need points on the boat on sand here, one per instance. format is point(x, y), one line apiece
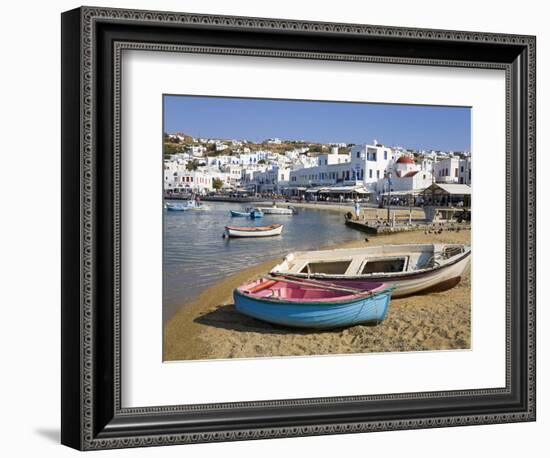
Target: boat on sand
point(410, 268)
point(258, 231)
point(310, 304)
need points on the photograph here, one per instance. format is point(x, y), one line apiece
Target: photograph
point(311, 227)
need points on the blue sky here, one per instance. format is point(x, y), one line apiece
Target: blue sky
point(413, 126)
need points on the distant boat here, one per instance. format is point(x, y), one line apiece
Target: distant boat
point(185, 206)
point(256, 213)
point(305, 304)
point(249, 212)
point(411, 269)
point(276, 210)
point(258, 231)
point(241, 214)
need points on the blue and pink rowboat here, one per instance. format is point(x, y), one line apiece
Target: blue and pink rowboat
point(310, 304)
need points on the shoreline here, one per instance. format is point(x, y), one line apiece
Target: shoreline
point(208, 327)
point(371, 212)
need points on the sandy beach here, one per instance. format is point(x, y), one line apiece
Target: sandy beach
point(209, 327)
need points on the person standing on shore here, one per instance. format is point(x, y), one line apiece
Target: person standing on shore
point(357, 209)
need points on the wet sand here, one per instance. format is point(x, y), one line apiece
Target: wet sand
point(210, 327)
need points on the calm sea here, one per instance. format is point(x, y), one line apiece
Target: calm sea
point(196, 256)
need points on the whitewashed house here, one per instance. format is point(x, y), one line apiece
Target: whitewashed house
point(465, 171)
point(447, 170)
point(370, 163)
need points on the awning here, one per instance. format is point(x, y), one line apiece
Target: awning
point(346, 189)
point(413, 192)
point(453, 189)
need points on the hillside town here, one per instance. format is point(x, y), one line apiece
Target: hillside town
point(305, 170)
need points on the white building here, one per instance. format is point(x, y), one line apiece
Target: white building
point(235, 173)
point(196, 150)
point(426, 163)
point(446, 170)
point(370, 163)
point(465, 171)
point(218, 161)
point(220, 146)
point(196, 181)
point(272, 179)
point(406, 176)
point(325, 169)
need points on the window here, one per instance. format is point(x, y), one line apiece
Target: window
point(456, 172)
point(461, 169)
point(358, 155)
point(378, 174)
point(370, 173)
point(385, 155)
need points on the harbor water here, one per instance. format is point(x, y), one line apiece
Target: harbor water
point(196, 256)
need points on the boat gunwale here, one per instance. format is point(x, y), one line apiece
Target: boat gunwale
point(381, 275)
point(387, 289)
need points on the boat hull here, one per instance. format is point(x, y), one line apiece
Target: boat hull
point(315, 315)
point(182, 207)
point(256, 214)
point(239, 214)
point(408, 283)
point(276, 211)
point(178, 208)
point(239, 233)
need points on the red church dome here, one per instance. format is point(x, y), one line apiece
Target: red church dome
point(405, 160)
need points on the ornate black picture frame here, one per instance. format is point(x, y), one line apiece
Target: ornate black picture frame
point(92, 42)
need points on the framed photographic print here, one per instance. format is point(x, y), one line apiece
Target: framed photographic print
point(277, 228)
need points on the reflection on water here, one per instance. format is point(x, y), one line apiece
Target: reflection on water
point(196, 256)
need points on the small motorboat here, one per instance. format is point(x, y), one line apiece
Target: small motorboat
point(301, 303)
point(258, 231)
point(276, 210)
point(410, 268)
point(249, 213)
point(244, 214)
point(256, 213)
point(177, 207)
point(184, 206)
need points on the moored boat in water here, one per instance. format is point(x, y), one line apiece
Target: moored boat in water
point(256, 213)
point(249, 213)
point(309, 304)
point(184, 206)
point(276, 210)
point(410, 268)
point(236, 213)
point(258, 231)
